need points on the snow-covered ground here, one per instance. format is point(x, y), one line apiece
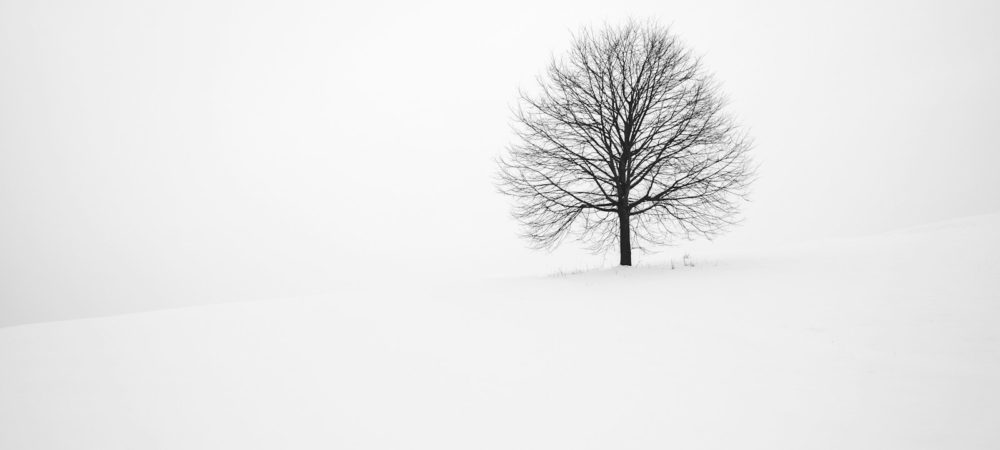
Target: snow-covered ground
point(885, 342)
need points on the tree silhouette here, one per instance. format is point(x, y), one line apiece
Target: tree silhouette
point(626, 141)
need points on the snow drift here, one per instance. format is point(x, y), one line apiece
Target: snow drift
point(889, 341)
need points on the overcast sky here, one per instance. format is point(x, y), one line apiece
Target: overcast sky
point(164, 153)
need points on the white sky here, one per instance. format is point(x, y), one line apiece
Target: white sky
point(163, 153)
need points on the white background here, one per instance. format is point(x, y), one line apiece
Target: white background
point(164, 153)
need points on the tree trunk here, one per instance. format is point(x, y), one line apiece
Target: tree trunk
point(624, 239)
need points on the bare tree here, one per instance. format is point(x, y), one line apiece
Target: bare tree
point(625, 142)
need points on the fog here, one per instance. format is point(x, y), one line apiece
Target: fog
point(157, 154)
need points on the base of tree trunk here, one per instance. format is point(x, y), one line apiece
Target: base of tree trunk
point(624, 240)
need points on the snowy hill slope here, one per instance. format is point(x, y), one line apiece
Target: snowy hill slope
point(884, 342)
